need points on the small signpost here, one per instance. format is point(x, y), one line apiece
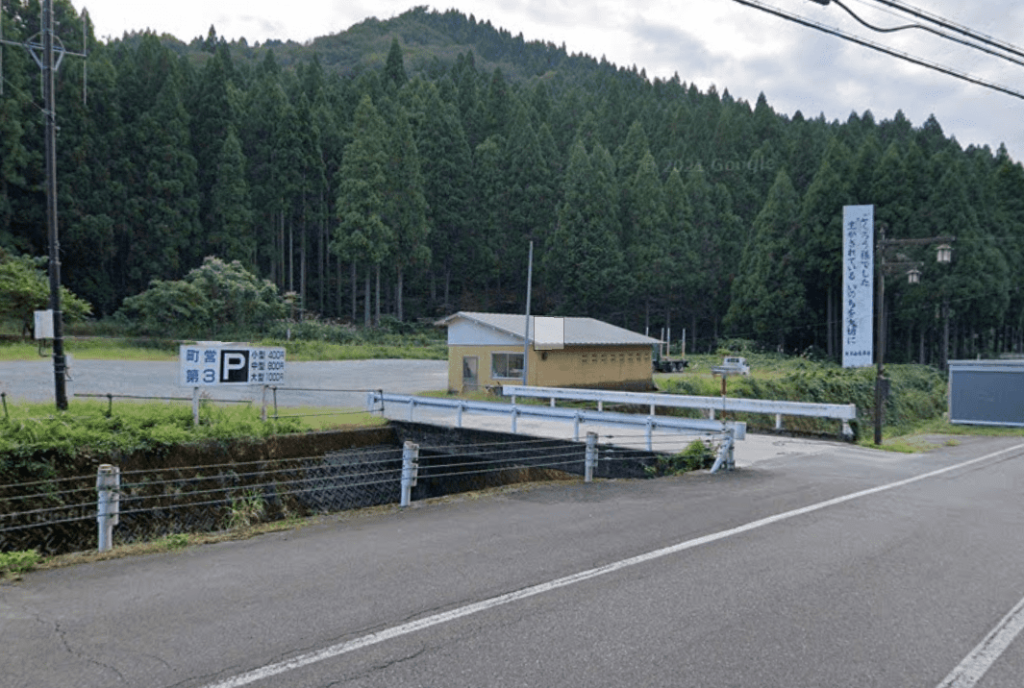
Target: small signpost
point(214, 364)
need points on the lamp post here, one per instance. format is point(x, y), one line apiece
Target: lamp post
point(944, 254)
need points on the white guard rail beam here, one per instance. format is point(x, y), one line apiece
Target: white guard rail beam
point(726, 432)
point(841, 412)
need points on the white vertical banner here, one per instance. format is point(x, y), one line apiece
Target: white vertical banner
point(858, 285)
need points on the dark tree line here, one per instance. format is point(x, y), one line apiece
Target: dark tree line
point(403, 167)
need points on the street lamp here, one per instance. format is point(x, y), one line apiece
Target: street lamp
point(944, 254)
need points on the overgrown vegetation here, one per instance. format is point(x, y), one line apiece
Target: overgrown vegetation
point(38, 444)
point(14, 564)
point(246, 510)
point(917, 395)
point(698, 455)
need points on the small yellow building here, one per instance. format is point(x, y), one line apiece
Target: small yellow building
point(486, 350)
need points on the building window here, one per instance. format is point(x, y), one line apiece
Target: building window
point(506, 366)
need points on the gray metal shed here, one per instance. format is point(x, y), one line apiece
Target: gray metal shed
point(986, 393)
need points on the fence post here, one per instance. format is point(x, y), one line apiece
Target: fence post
point(195, 406)
point(108, 502)
point(410, 471)
point(725, 451)
point(3, 396)
point(263, 412)
point(591, 457)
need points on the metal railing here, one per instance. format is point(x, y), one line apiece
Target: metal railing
point(841, 412)
point(725, 432)
point(163, 497)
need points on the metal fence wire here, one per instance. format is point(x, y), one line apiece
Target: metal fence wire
point(56, 517)
point(60, 515)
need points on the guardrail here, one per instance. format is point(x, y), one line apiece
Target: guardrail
point(726, 432)
point(841, 412)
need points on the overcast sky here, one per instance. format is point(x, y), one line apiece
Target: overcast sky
point(706, 41)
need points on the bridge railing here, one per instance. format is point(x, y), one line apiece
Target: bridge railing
point(725, 432)
point(710, 405)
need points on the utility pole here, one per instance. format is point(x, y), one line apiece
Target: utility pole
point(526, 336)
point(43, 54)
point(50, 114)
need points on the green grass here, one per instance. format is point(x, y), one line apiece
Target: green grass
point(301, 350)
point(115, 349)
point(318, 418)
point(89, 349)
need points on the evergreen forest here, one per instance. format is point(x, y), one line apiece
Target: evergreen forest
point(401, 169)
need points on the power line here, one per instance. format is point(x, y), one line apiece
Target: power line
point(953, 26)
point(922, 27)
point(949, 71)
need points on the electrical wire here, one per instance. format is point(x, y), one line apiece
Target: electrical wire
point(941, 34)
point(953, 26)
point(949, 71)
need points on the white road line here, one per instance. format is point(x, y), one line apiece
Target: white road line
point(444, 617)
point(981, 659)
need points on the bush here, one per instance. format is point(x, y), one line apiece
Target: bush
point(697, 456)
point(25, 288)
point(215, 297)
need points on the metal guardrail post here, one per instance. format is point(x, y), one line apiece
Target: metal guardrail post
point(458, 417)
point(576, 427)
point(410, 471)
point(591, 457)
point(725, 453)
point(650, 429)
point(108, 502)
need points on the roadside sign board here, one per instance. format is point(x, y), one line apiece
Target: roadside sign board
point(215, 363)
point(858, 285)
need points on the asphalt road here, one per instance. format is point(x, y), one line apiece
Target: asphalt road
point(837, 568)
point(337, 384)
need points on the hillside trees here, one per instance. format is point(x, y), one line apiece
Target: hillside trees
point(584, 265)
point(426, 151)
point(768, 296)
point(362, 237)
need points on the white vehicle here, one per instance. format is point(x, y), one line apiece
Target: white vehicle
point(732, 365)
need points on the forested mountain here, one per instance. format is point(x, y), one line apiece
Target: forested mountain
point(402, 167)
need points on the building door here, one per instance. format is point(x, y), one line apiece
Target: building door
point(470, 379)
